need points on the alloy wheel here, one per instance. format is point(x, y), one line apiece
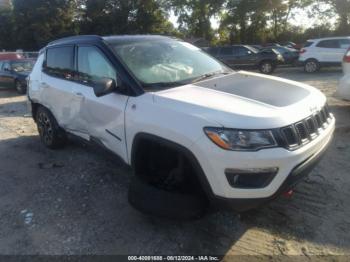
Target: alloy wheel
point(311, 67)
point(45, 128)
point(266, 68)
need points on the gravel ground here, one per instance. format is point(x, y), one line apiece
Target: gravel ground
point(74, 201)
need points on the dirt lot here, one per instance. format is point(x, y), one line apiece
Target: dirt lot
point(74, 201)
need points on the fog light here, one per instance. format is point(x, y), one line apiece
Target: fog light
point(250, 178)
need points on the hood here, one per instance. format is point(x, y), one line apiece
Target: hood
point(245, 100)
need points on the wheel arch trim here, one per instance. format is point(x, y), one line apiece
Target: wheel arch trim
point(200, 175)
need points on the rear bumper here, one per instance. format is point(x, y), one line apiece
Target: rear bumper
point(296, 175)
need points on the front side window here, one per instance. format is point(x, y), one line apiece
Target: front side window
point(242, 51)
point(1, 63)
point(22, 66)
point(165, 63)
point(59, 62)
point(93, 65)
point(226, 51)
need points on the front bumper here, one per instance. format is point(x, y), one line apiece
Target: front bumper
point(215, 161)
point(296, 175)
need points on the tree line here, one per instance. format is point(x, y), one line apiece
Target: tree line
point(31, 24)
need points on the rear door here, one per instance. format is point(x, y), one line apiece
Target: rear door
point(56, 86)
point(330, 51)
point(104, 116)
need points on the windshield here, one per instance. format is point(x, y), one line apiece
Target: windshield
point(22, 66)
point(167, 62)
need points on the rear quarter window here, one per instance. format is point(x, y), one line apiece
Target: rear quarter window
point(308, 44)
point(59, 62)
point(344, 43)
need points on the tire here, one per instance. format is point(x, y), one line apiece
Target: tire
point(50, 133)
point(153, 201)
point(266, 67)
point(20, 89)
point(311, 66)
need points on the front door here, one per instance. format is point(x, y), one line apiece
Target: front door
point(104, 116)
point(245, 56)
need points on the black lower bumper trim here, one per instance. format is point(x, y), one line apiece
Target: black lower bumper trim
point(296, 175)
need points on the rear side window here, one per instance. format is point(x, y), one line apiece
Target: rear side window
point(308, 44)
point(329, 44)
point(59, 62)
point(1, 65)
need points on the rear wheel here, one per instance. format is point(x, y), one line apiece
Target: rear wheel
point(267, 67)
point(19, 87)
point(49, 131)
point(311, 66)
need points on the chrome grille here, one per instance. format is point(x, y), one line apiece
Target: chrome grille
point(300, 133)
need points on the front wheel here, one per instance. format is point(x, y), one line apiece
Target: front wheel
point(50, 133)
point(20, 88)
point(266, 67)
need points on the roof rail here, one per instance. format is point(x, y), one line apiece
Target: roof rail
point(75, 38)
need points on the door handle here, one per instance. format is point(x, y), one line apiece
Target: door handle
point(44, 85)
point(78, 94)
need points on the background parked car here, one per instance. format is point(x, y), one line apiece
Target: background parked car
point(244, 56)
point(290, 56)
point(13, 74)
point(344, 83)
point(292, 45)
point(321, 52)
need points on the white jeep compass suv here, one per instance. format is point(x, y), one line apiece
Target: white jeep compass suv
point(194, 131)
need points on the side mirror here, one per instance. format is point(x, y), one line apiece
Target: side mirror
point(104, 86)
point(7, 69)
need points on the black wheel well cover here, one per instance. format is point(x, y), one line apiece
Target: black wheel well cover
point(200, 175)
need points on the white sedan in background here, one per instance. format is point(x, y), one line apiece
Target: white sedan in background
point(344, 83)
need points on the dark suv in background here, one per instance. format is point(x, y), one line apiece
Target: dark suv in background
point(247, 57)
point(13, 74)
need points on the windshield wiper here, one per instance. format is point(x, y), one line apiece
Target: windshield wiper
point(166, 85)
point(209, 75)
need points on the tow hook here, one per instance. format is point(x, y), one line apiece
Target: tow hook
point(288, 194)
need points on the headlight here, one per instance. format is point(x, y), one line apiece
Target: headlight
point(241, 140)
